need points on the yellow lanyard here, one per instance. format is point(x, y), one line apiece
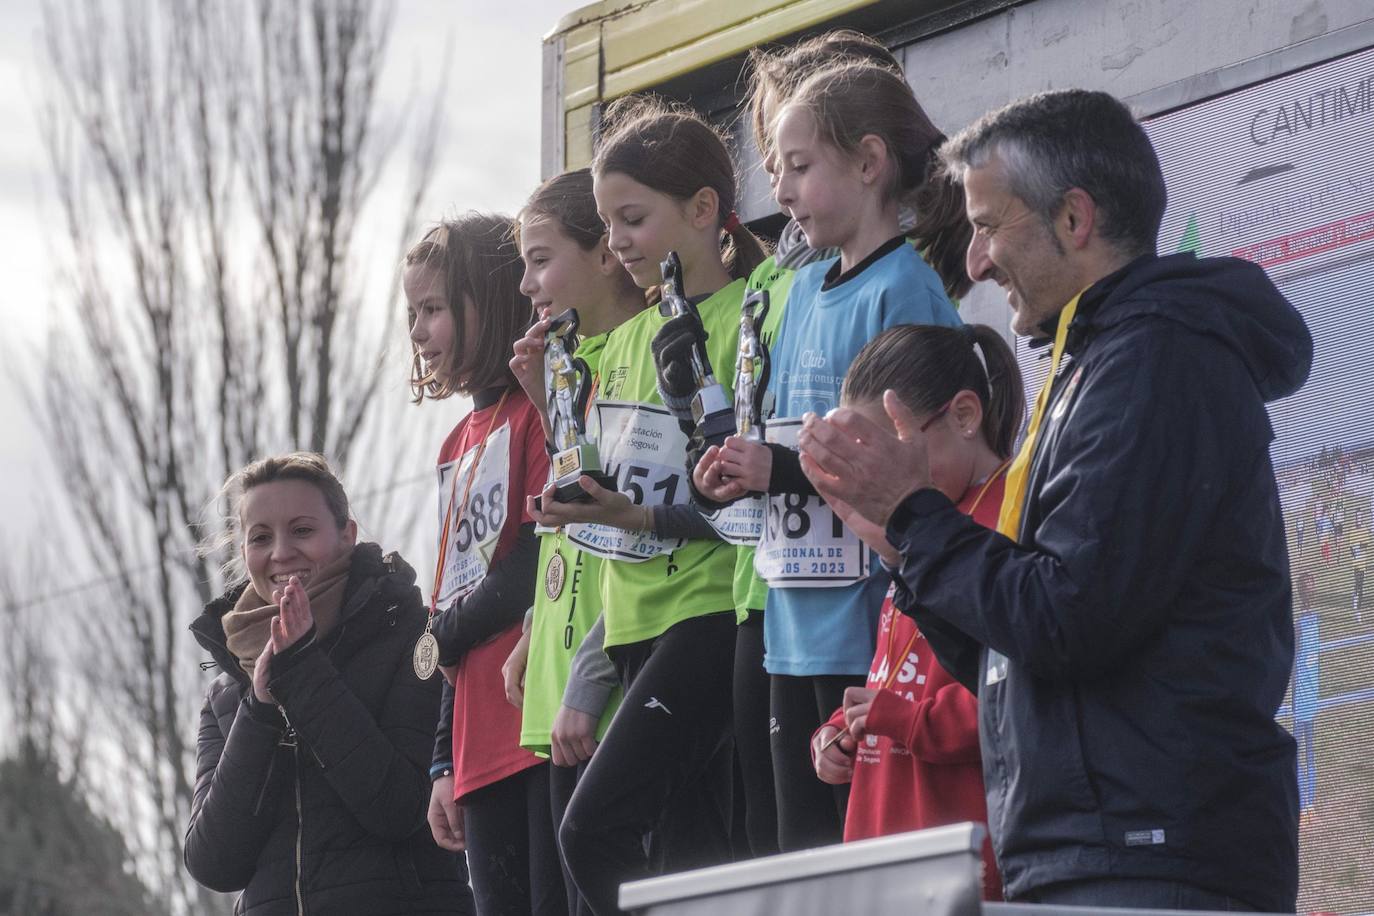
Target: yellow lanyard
point(1018, 476)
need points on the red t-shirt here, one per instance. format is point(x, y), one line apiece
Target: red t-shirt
point(514, 463)
point(919, 766)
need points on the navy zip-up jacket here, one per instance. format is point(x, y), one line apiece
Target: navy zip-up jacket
point(1130, 652)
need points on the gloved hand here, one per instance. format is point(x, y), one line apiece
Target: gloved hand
point(672, 348)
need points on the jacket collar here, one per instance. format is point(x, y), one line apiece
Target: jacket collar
point(1092, 300)
point(369, 574)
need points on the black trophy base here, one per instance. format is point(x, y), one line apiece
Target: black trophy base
point(572, 492)
point(716, 427)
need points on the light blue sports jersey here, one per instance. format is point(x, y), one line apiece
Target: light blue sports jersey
point(809, 630)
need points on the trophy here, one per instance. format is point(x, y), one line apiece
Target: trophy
point(569, 388)
point(711, 408)
point(751, 367)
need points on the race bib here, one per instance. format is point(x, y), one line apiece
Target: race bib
point(740, 522)
point(472, 540)
point(643, 448)
point(804, 544)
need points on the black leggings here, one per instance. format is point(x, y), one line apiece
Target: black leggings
point(656, 795)
point(562, 782)
point(810, 813)
point(751, 740)
point(512, 856)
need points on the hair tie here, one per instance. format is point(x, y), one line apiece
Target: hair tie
point(732, 221)
point(971, 335)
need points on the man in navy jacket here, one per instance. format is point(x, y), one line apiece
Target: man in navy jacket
point(1131, 645)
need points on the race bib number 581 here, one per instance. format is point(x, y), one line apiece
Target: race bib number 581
point(644, 449)
point(804, 544)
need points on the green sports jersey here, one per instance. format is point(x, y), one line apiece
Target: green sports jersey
point(750, 591)
point(565, 608)
point(643, 599)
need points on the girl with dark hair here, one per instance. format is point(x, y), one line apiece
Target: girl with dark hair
point(663, 182)
point(850, 146)
point(490, 795)
point(314, 740)
point(559, 675)
point(907, 741)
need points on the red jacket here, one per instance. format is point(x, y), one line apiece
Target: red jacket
point(919, 766)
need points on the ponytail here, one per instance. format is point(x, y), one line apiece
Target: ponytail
point(743, 250)
point(1005, 405)
point(942, 231)
point(927, 365)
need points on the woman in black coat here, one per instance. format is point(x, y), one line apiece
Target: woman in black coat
point(312, 761)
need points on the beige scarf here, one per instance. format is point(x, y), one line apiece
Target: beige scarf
point(248, 626)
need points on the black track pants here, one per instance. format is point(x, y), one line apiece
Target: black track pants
point(810, 813)
point(752, 745)
point(656, 796)
point(512, 854)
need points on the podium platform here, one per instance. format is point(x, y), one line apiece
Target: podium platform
point(932, 872)
point(927, 872)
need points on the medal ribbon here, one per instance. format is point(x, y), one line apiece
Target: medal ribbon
point(891, 627)
point(1018, 476)
point(449, 523)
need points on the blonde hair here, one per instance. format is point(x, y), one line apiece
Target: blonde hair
point(779, 73)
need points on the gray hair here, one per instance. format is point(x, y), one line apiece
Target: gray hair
point(1051, 142)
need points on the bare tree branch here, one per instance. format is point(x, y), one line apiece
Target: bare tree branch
point(211, 164)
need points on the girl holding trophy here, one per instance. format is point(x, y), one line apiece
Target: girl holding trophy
point(558, 673)
point(663, 182)
point(849, 147)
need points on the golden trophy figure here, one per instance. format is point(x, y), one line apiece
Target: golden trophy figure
point(569, 389)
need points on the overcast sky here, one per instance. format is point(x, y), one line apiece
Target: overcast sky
point(489, 161)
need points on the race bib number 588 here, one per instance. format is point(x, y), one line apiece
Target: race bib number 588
point(804, 544)
point(472, 540)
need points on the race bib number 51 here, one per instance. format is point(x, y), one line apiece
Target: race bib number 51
point(644, 449)
point(804, 544)
point(472, 542)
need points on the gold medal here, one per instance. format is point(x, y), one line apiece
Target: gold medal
point(426, 656)
point(555, 574)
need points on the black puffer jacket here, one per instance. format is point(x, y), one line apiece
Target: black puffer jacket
point(1130, 655)
point(325, 816)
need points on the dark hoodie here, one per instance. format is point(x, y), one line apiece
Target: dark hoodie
point(1131, 651)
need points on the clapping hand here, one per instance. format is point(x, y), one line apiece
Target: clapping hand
point(853, 461)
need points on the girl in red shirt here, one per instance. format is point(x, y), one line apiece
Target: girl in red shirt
point(907, 741)
point(490, 796)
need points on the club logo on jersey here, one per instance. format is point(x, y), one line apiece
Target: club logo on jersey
point(614, 381)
